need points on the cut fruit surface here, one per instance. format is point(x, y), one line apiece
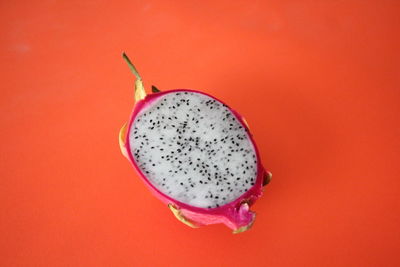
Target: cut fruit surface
point(192, 148)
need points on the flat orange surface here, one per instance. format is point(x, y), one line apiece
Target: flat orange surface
point(318, 82)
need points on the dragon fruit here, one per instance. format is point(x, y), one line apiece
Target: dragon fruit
point(195, 154)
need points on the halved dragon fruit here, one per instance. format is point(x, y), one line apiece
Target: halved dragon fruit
point(195, 154)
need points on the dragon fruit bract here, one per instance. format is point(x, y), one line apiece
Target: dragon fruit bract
point(195, 154)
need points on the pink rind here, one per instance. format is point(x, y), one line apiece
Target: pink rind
point(236, 214)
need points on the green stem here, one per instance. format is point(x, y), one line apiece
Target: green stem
point(154, 89)
point(131, 66)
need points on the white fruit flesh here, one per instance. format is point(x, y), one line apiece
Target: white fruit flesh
point(192, 148)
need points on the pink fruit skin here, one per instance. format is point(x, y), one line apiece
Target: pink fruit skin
point(235, 214)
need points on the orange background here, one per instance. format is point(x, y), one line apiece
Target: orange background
point(318, 82)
